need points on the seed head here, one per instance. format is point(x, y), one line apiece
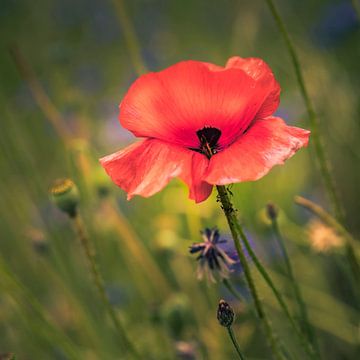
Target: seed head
point(65, 196)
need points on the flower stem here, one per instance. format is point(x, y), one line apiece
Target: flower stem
point(235, 343)
point(229, 212)
point(99, 283)
point(314, 123)
point(308, 348)
point(232, 290)
point(326, 218)
point(302, 307)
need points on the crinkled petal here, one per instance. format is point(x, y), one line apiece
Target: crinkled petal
point(267, 143)
point(171, 105)
point(261, 72)
point(147, 166)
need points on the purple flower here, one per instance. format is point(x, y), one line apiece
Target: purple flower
point(215, 259)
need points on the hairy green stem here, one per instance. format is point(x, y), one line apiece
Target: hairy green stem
point(235, 343)
point(99, 283)
point(314, 123)
point(307, 347)
point(299, 299)
point(229, 212)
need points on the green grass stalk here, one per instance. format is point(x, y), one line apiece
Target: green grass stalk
point(20, 293)
point(329, 220)
point(235, 343)
point(306, 345)
point(131, 39)
point(321, 156)
point(296, 289)
point(232, 290)
point(229, 212)
point(99, 283)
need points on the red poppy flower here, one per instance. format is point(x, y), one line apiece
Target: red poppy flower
point(206, 124)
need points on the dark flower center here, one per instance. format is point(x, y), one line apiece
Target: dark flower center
point(208, 137)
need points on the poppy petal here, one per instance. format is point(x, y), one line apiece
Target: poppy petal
point(268, 142)
point(171, 105)
point(259, 71)
point(199, 189)
point(147, 166)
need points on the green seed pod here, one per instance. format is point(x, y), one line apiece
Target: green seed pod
point(65, 196)
point(225, 314)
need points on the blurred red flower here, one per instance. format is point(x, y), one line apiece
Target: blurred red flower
point(206, 124)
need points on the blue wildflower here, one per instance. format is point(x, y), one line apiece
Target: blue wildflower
point(214, 260)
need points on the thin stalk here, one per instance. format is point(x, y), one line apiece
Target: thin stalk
point(136, 248)
point(235, 343)
point(41, 98)
point(229, 212)
point(313, 119)
point(23, 297)
point(299, 299)
point(329, 220)
point(99, 283)
point(308, 348)
point(131, 40)
point(232, 290)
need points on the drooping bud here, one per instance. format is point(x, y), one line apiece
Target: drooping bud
point(272, 211)
point(225, 314)
point(65, 196)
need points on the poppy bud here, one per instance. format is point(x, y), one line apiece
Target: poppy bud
point(272, 211)
point(225, 314)
point(65, 196)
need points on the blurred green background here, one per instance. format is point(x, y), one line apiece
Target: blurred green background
point(77, 51)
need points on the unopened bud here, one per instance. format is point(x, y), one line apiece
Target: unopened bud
point(272, 211)
point(65, 196)
point(225, 314)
